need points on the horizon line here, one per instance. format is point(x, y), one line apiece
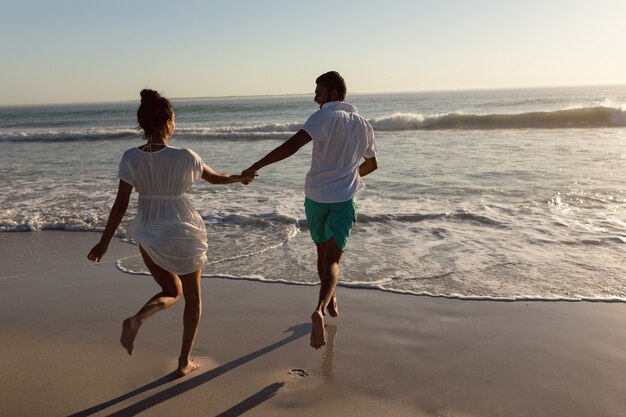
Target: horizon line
point(442, 90)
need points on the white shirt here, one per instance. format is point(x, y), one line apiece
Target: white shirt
point(166, 226)
point(341, 138)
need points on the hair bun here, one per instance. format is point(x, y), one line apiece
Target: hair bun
point(149, 95)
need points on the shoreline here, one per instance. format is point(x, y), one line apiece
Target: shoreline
point(360, 286)
point(376, 287)
point(386, 354)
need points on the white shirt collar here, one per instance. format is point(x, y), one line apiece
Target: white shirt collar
point(340, 105)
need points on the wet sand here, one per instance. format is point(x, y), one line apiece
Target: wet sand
point(387, 354)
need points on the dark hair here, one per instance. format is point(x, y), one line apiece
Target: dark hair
point(153, 114)
point(333, 81)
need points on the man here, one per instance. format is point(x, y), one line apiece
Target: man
point(341, 140)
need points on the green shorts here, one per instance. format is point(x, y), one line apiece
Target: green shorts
point(330, 220)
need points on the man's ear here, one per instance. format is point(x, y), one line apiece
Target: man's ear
point(334, 95)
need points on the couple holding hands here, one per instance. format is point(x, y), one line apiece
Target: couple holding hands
point(171, 234)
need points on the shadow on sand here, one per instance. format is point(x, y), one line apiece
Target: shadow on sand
point(253, 401)
point(297, 332)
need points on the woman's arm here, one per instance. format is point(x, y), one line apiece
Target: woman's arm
point(115, 218)
point(214, 177)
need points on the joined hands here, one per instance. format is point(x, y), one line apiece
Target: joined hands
point(248, 175)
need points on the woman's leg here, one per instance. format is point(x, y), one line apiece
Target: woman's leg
point(192, 291)
point(171, 289)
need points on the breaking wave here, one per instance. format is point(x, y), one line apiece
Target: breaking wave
point(579, 118)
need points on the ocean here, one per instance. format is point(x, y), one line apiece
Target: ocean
point(487, 195)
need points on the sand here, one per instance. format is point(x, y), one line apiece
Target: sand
point(388, 354)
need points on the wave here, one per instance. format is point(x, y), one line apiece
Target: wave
point(81, 221)
point(60, 226)
point(69, 135)
point(260, 222)
point(577, 118)
point(461, 216)
point(253, 131)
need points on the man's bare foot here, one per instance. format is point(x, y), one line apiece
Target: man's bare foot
point(184, 369)
point(129, 332)
point(317, 330)
point(333, 309)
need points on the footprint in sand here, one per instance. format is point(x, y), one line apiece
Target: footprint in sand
point(299, 372)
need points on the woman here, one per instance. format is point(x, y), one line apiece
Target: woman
point(170, 232)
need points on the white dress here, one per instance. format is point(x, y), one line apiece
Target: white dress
point(167, 226)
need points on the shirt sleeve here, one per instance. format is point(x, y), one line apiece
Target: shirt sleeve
point(197, 166)
point(125, 172)
point(316, 125)
point(371, 148)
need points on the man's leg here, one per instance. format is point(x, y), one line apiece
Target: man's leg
point(333, 308)
point(330, 277)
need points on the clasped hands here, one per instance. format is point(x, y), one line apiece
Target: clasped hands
point(248, 175)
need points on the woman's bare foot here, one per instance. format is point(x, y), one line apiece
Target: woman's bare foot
point(333, 309)
point(184, 369)
point(317, 330)
point(129, 332)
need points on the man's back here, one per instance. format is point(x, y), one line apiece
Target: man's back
point(341, 138)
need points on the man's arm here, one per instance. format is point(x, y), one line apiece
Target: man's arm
point(288, 148)
point(368, 166)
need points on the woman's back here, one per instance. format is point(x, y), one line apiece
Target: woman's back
point(165, 172)
point(167, 226)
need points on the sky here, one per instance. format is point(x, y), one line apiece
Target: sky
point(79, 51)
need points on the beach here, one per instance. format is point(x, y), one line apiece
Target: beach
point(485, 267)
point(387, 354)
point(484, 275)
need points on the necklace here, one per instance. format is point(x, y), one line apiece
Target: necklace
point(148, 147)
